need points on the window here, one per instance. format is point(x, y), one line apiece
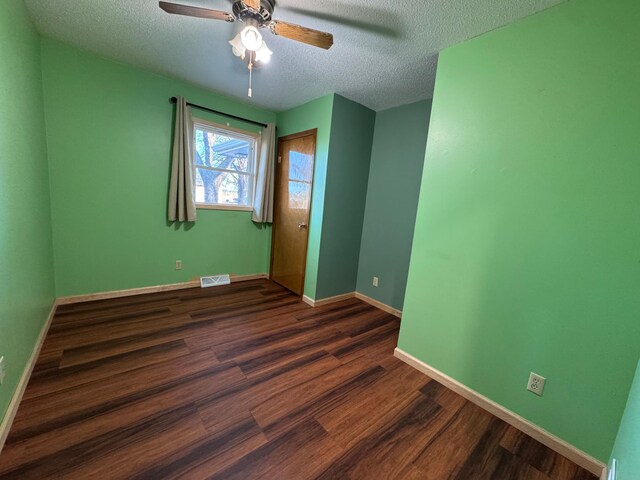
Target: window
point(300, 174)
point(225, 162)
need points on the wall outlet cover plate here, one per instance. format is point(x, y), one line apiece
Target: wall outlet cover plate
point(3, 371)
point(536, 384)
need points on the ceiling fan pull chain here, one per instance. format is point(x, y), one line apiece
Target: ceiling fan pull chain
point(250, 73)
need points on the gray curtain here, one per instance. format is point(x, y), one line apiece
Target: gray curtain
point(182, 199)
point(263, 201)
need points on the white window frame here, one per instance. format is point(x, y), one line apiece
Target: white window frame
point(227, 131)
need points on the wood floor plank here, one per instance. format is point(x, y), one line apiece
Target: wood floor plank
point(203, 304)
point(112, 347)
point(127, 456)
point(45, 442)
point(480, 462)
point(274, 460)
point(443, 396)
point(65, 378)
point(82, 322)
point(48, 412)
point(509, 467)
point(315, 396)
point(266, 340)
point(362, 344)
point(208, 457)
point(243, 307)
point(260, 389)
point(238, 328)
point(333, 311)
point(449, 448)
point(92, 334)
point(260, 360)
point(48, 362)
point(185, 327)
point(371, 408)
point(87, 311)
point(246, 381)
point(552, 464)
point(118, 453)
point(385, 452)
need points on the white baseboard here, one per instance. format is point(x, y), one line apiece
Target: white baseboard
point(359, 296)
point(563, 448)
point(154, 289)
point(5, 426)
point(382, 306)
point(328, 300)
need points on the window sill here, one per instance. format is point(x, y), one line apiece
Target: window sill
point(207, 206)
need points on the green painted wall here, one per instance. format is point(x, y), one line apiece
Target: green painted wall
point(26, 255)
point(345, 196)
point(315, 114)
point(526, 254)
point(397, 159)
point(110, 138)
point(627, 446)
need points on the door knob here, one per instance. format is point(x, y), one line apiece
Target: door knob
point(302, 225)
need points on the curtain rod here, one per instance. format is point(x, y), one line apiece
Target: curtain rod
point(174, 100)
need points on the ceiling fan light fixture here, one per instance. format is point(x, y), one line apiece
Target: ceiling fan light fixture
point(237, 47)
point(251, 38)
point(263, 54)
point(255, 14)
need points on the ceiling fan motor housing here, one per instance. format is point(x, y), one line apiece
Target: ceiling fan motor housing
point(250, 16)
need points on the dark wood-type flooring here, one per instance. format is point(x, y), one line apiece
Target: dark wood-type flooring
point(246, 381)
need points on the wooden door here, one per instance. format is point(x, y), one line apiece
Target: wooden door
point(294, 180)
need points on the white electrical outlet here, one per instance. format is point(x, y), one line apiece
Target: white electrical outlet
point(178, 264)
point(3, 371)
point(536, 384)
point(375, 281)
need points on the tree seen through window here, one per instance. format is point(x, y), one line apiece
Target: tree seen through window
point(223, 168)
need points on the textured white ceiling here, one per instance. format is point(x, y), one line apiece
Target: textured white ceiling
point(385, 51)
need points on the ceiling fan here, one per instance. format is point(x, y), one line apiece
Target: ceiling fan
point(255, 14)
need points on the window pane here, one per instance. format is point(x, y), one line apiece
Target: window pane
point(240, 164)
point(300, 166)
point(213, 186)
point(299, 195)
point(220, 151)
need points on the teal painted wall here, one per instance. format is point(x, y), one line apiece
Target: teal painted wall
point(315, 114)
point(26, 255)
point(110, 137)
point(352, 128)
point(627, 446)
point(526, 254)
point(397, 159)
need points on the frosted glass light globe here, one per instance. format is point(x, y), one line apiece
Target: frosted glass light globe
point(251, 38)
point(263, 55)
point(237, 47)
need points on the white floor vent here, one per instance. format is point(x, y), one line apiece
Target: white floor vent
point(214, 281)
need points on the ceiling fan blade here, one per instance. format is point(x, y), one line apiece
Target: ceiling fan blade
point(386, 24)
point(302, 34)
point(255, 4)
point(190, 11)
